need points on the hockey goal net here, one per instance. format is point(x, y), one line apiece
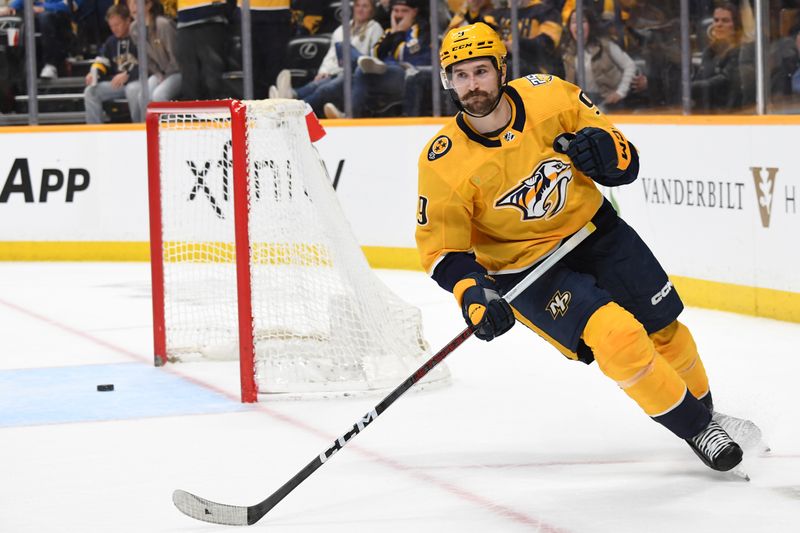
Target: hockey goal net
point(252, 257)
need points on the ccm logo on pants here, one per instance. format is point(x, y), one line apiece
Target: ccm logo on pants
point(660, 295)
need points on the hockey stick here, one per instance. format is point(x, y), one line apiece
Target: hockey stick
point(234, 515)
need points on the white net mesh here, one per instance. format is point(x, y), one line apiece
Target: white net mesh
point(322, 321)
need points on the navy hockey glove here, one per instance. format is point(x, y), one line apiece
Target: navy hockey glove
point(482, 306)
point(601, 155)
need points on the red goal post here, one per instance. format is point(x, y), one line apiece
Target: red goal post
point(236, 110)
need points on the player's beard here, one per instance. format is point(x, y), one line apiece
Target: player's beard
point(479, 103)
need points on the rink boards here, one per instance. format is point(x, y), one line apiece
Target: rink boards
point(717, 198)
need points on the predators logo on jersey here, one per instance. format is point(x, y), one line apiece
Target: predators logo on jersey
point(440, 146)
point(543, 194)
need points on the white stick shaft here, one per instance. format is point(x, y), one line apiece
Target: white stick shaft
point(552, 259)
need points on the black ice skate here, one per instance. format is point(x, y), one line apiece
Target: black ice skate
point(716, 448)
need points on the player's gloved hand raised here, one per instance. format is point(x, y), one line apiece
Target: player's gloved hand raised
point(594, 152)
point(482, 306)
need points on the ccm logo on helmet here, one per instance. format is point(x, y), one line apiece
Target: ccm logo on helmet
point(660, 295)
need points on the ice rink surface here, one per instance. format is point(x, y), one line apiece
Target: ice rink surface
point(521, 440)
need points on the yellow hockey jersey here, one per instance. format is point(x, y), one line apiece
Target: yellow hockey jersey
point(509, 199)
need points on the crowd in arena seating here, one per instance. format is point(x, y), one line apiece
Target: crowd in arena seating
point(631, 49)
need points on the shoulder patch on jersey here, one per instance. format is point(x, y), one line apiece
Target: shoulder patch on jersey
point(440, 146)
point(539, 79)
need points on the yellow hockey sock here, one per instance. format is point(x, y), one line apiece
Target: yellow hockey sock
point(676, 345)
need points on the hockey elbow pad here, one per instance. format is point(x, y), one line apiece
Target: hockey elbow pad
point(603, 156)
point(482, 307)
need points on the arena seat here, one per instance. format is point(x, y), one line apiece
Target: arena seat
point(304, 55)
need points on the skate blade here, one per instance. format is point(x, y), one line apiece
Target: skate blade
point(736, 474)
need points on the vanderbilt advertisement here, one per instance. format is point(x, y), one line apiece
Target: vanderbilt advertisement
point(719, 203)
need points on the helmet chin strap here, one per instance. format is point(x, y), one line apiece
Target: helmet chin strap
point(460, 106)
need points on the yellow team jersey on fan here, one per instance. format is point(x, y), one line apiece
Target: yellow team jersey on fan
point(509, 198)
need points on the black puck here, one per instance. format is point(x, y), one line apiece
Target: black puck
point(103, 388)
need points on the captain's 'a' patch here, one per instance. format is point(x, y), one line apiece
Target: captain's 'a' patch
point(539, 79)
point(440, 146)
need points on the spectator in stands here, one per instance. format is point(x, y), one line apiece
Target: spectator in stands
point(716, 83)
point(327, 85)
point(164, 82)
point(539, 36)
point(652, 39)
point(471, 12)
point(52, 19)
point(781, 64)
point(379, 80)
point(608, 69)
point(271, 30)
point(114, 67)
point(202, 28)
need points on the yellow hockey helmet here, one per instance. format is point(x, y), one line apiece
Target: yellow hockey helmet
point(471, 42)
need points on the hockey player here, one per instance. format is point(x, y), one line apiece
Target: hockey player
point(496, 197)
